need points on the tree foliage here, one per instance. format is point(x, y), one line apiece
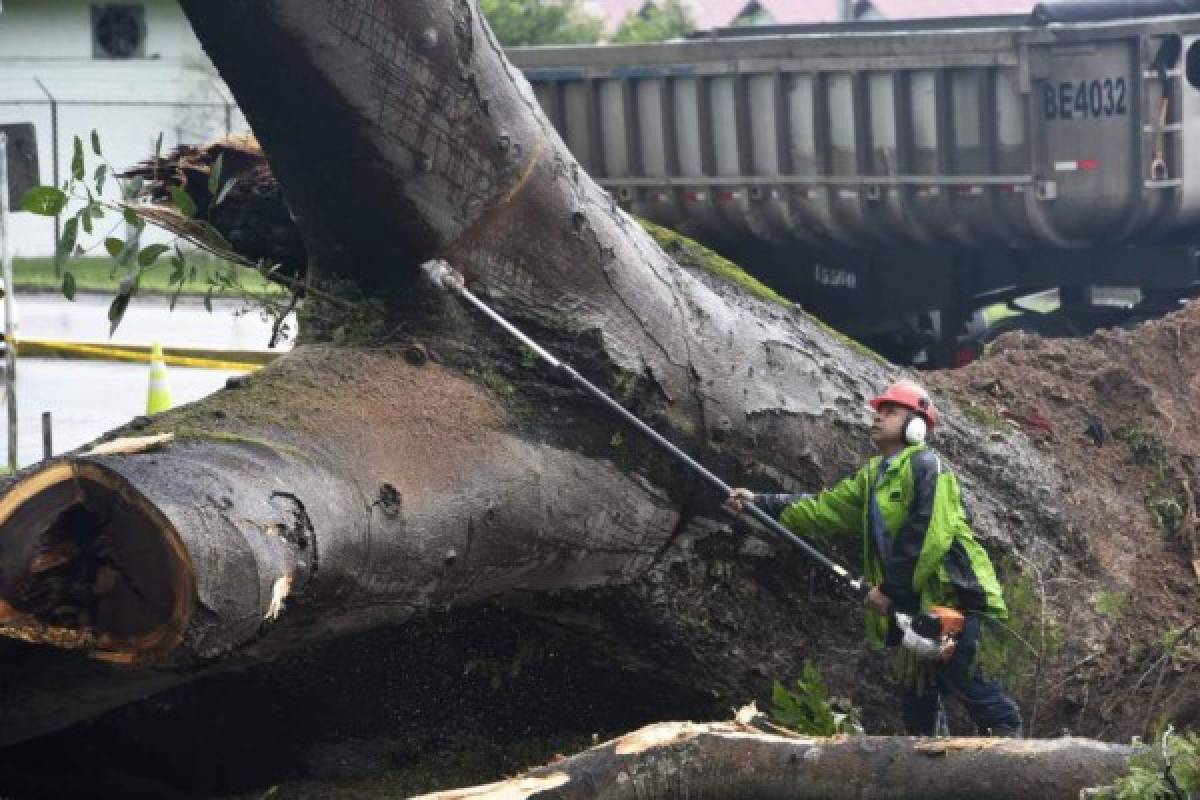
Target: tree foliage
point(530, 22)
point(1170, 770)
point(117, 225)
point(809, 709)
point(656, 22)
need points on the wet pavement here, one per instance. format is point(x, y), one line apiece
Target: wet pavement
point(228, 327)
point(87, 398)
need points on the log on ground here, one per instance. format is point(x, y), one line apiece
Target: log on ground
point(728, 761)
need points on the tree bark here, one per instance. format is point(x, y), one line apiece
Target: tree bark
point(726, 760)
point(348, 487)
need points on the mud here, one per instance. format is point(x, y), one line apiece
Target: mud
point(451, 699)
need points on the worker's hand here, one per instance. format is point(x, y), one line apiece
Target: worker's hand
point(879, 601)
point(948, 650)
point(738, 500)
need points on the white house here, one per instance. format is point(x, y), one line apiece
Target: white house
point(128, 70)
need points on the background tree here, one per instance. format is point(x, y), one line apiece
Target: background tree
point(528, 22)
point(656, 22)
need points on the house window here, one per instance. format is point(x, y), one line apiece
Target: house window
point(118, 30)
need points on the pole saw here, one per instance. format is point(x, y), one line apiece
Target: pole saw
point(928, 634)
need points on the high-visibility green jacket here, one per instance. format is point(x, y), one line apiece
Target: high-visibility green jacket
point(930, 556)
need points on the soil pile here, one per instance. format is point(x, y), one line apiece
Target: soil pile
point(1118, 413)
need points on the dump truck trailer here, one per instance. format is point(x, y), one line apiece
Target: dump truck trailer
point(896, 177)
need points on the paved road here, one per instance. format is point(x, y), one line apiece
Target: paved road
point(47, 316)
point(87, 398)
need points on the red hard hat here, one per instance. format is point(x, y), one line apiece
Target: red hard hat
point(907, 394)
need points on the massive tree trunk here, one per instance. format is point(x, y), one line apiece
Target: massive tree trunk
point(433, 464)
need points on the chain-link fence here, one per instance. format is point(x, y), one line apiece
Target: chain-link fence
point(129, 105)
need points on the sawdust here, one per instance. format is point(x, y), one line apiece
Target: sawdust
point(516, 789)
point(659, 735)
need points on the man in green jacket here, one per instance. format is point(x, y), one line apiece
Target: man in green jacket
point(918, 552)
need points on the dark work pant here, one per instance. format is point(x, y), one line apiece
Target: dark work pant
point(986, 702)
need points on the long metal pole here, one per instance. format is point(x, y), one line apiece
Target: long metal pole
point(53, 161)
point(446, 277)
point(47, 435)
point(10, 344)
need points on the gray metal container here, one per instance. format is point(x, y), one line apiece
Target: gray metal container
point(978, 134)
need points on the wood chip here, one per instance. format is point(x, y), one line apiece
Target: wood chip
point(7, 612)
point(51, 559)
point(129, 445)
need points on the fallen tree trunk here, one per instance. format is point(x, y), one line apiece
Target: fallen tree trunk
point(348, 487)
point(344, 488)
point(727, 761)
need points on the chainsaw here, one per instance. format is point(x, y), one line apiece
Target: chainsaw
point(930, 634)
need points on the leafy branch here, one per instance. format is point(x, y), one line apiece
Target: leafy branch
point(1170, 771)
point(180, 217)
point(809, 709)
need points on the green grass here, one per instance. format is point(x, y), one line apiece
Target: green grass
point(1110, 604)
point(1012, 651)
point(985, 416)
point(100, 275)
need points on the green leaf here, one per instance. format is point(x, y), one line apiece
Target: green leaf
point(178, 275)
point(151, 253)
point(77, 166)
point(96, 143)
point(68, 286)
point(183, 201)
point(134, 187)
point(67, 243)
point(808, 709)
point(132, 219)
point(214, 175)
point(114, 246)
point(116, 311)
point(99, 177)
point(221, 195)
point(46, 201)
point(85, 218)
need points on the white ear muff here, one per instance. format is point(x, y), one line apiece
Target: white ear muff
point(915, 429)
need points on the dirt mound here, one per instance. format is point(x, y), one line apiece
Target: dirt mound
point(1118, 413)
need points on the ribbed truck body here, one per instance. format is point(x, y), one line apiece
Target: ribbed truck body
point(994, 133)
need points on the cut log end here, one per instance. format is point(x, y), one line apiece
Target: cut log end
point(87, 563)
